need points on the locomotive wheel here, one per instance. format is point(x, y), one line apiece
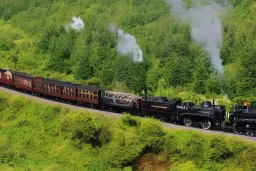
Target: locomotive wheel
point(187, 121)
point(206, 124)
point(250, 134)
point(238, 132)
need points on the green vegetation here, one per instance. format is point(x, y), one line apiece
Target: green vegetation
point(35, 136)
point(34, 39)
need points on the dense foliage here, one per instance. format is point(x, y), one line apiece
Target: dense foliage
point(35, 38)
point(36, 136)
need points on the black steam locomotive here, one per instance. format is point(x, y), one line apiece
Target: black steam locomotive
point(207, 115)
point(244, 119)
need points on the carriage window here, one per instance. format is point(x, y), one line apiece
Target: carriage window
point(87, 96)
point(79, 93)
point(37, 85)
point(95, 97)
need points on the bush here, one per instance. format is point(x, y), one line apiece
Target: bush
point(151, 135)
point(130, 121)
point(218, 150)
point(187, 145)
point(82, 127)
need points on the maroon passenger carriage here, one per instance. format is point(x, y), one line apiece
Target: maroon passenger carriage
point(68, 91)
point(6, 78)
point(2, 71)
point(88, 95)
point(38, 86)
point(22, 81)
point(72, 92)
point(52, 88)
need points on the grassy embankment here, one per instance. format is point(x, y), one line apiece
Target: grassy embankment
point(35, 136)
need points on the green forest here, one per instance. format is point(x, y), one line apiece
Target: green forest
point(37, 38)
point(36, 136)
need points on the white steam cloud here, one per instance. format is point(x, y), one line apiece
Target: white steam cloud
point(77, 24)
point(127, 44)
point(205, 26)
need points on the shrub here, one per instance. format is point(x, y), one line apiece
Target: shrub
point(83, 128)
point(151, 135)
point(218, 150)
point(189, 145)
point(130, 121)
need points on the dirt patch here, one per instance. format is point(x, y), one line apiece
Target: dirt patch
point(152, 162)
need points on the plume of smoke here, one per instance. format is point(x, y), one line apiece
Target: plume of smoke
point(205, 26)
point(127, 44)
point(77, 24)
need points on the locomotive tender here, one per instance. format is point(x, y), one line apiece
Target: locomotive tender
point(207, 115)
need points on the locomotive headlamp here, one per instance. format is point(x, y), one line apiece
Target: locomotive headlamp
point(245, 103)
point(245, 106)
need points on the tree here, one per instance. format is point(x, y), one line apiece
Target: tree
point(82, 68)
point(200, 75)
point(177, 71)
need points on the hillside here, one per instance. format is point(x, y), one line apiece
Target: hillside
point(85, 41)
point(36, 136)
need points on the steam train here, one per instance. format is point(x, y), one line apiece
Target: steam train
point(207, 115)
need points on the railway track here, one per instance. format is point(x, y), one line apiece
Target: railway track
point(116, 115)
